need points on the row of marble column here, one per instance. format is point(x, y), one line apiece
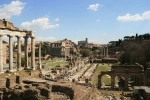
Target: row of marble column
point(104, 52)
point(18, 53)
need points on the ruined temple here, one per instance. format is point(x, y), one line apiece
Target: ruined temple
point(7, 28)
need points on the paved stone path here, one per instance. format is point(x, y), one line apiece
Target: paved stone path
point(78, 74)
point(90, 71)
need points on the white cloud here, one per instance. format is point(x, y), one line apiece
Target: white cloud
point(12, 9)
point(50, 39)
point(136, 17)
point(94, 6)
point(104, 33)
point(97, 20)
point(39, 24)
point(57, 19)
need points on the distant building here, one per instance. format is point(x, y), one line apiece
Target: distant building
point(97, 45)
point(62, 48)
point(85, 43)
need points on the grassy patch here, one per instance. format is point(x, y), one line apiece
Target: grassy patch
point(23, 73)
point(103, 68)
point(54, 64)
point(105, 78)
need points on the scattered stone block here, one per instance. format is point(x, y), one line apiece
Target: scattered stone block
point(18, 79)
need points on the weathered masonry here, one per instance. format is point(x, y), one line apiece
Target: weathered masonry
point(126, 71)
point(7, 28)
point(104, 52)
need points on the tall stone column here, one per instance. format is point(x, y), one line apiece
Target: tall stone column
point(19, 53)
point(104, 51)
point(26, 51)
point(99, 82)
point(10, 53)
point(107, 51)
point(101, 52)
point(40, 55)
point(112, 82)
point(126, 83)
point(33, 53)
point(1, 55)
point(65, 53)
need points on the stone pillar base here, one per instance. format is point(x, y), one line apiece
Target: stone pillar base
point(25, 68)
point(11, 70)
point(33, 68)
point(1, 72)
point(18, 69)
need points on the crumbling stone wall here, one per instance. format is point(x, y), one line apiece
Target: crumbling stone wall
point(2, 83)
point(66, 90)
point(35, 74)
point(10, 82)
point(15, 94)
point(45, 92)
point(13, 89)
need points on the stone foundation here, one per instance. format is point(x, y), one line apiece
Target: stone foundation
point(63, 89)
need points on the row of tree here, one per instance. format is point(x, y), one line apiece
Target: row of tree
point(145, 36)
point(136, 52)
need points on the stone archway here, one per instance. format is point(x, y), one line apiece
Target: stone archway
point(100, 81)
point(133, 80)
point(105, 81)
point(123, 70)
point(119, 82)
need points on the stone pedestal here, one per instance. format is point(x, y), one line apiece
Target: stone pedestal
point(7, 82)
point(18, 79)
point(86, 80)
point(1, 95)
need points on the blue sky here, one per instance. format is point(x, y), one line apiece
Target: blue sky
point(100, 21)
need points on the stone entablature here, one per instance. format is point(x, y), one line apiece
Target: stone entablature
point(127, 68)
point(7, 28)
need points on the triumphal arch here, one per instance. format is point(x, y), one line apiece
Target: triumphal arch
point(136, 72)
point(7, 28)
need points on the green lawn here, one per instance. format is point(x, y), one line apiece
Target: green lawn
point(103, 68)
point(53, 64)
point(105, 78)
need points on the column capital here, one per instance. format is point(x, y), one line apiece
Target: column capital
point(10, 36)
point(18, 36)
point(32, 37)
point(26, 37)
